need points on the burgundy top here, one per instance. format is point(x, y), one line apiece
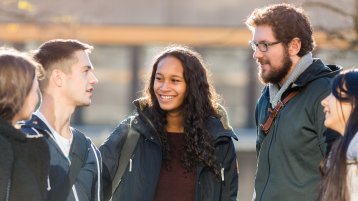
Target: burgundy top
point(175, 184)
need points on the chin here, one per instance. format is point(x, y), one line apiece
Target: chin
point(85, 103)
point(165, 108)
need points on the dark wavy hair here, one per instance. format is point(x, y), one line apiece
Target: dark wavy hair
point(334, 169)
point(200, 102)
point(287, 22)
point(17, 73)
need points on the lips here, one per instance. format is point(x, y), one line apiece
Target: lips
point(90, 91)
point(325, 110)
point(166, 98)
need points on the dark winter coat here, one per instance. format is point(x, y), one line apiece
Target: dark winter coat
point(87, 186)
point(140, 182)
point(24, 165)
point(290, 154)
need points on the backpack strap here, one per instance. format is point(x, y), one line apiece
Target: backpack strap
point(130, 141)
point(273, 112)
point(78, 157)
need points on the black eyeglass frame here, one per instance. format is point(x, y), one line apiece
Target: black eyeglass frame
point(262, 46)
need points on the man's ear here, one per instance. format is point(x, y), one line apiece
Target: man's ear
point(57, 76)
point(294, 46)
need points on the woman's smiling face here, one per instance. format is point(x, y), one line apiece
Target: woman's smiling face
point(336, 113)
point(169, 84)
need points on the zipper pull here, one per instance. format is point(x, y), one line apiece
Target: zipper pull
point(48, 183)
point(130, 165)
point(222, 174)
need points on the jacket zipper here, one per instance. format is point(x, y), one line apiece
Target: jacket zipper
point(222, 174)
point(268, 158)
point(8, 188)
point(130, 163)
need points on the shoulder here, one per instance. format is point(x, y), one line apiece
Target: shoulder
point(352, 152)
point(5, 147)
point(119, 134)
point(80, 136)
point(218, 129)
point(322, 83)
point(124, 125)
point(34, 127)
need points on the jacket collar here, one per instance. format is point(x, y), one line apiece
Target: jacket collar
point(36, 123)
point(316, 70)
point(7, 130)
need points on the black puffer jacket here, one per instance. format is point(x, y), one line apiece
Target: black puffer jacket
point(24, 164)
point(140, 182)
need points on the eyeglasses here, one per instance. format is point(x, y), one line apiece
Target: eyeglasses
point(263, 46)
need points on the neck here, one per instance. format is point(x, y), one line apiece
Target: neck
point(341, 130)
point(175, 123)
point(57, 114)
point(295, 59)
point(15, 124)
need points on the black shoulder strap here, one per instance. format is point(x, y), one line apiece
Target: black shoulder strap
point(130, 143)
point(78, 157)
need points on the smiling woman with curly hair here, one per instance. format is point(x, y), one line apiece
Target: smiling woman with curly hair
point(185, 149)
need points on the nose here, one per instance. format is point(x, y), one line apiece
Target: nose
point(324, 102)
point(93, 79)
point(164, 86)
point(257, 54)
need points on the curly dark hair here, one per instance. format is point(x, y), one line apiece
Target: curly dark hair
point(200, 102)
point(287, 22)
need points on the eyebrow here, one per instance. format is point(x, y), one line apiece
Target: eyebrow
point(175, 76)
point(88, 67)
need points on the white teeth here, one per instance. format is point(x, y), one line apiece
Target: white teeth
point(167, 97)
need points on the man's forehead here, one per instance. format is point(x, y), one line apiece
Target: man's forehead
point(83, 59)
point(263, 33)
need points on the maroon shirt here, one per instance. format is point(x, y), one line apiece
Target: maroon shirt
point(175, 183)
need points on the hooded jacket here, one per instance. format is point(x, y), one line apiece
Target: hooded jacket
point(140, 180)
point(288, 157)
point(87, 186)
point(24, 165)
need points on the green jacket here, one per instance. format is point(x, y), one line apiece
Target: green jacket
point(288, 156)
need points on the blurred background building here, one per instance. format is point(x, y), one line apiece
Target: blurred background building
point(127, 34)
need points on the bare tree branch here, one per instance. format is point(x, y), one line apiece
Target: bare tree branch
point(328, 7)
point(353, 43)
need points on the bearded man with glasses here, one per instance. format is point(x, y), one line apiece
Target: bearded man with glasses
point(291, 137)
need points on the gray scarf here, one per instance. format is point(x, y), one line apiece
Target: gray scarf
point(276, 92)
